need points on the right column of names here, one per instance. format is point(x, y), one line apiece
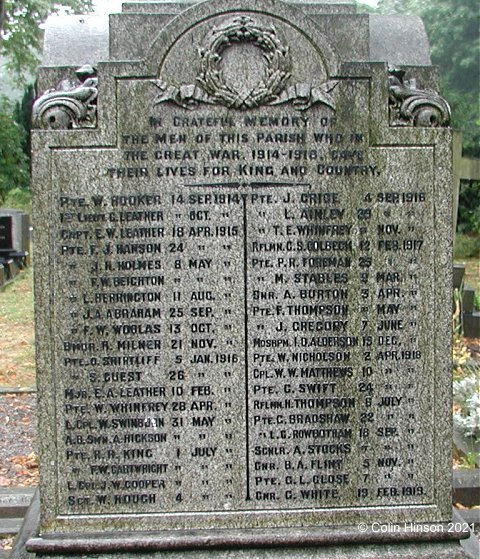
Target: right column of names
point(338, 314)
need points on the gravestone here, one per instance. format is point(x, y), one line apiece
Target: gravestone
point(15, 235)
point(6, 232)
point(9, 271)
point(243, 236)
point(14, 230)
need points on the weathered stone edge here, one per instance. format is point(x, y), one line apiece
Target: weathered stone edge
point(218, 539)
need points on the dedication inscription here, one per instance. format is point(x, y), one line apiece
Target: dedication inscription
point(243, 296)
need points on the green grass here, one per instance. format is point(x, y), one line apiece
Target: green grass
point(467, 251)
point(18, 199)
point(17, 345)
point(472, 273)
point(466, 246)
point(16, 298)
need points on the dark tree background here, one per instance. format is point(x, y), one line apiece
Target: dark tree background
point(453, 30)
point(21, 34)
point(20, 45)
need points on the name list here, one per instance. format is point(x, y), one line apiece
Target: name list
point(240, 319)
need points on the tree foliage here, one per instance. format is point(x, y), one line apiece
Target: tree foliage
point(14, 165)
point(22, 114)
point(20, 44)
point(21, 33)
point(453, 30)
point(469, 208)
point(399, 6)
point(454, 35)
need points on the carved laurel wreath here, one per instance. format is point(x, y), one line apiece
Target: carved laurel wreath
point(244, 29)
point(212, 88)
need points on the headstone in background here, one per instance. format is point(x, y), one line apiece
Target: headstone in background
point(470, 317)
point(14, 241)
point(243, 236)
point(6, 232)
point(25, 226)
point(15, 236)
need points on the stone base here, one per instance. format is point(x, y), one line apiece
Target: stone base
point(331, 544)
point(442, 550)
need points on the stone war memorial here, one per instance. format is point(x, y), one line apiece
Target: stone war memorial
point(243, 227)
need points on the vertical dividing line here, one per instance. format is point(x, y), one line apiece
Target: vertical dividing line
point(245, 310)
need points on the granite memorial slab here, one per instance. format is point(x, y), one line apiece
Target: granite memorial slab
point(243, 247)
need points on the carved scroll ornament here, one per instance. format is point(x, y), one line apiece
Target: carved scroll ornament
point(69, 105)
point(410, 106)
point(212, 87)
